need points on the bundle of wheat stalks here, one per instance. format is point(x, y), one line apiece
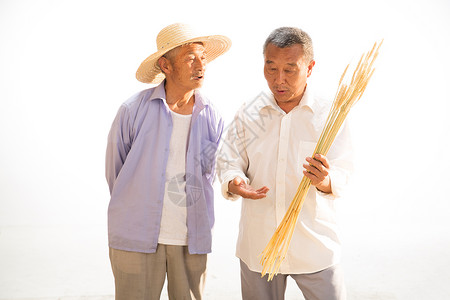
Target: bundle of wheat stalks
point(347, 95)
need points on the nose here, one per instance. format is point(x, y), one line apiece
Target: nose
point(279, 77)
point(200, 64)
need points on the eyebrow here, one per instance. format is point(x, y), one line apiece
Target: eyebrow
point(289, 64)
point(194, 53)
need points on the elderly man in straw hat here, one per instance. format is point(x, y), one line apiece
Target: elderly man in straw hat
point(160, 165)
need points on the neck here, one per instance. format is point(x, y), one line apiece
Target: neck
point(179, 100)
point(288, 106)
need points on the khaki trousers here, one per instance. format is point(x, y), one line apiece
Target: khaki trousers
point(141, 276)
point(327, 284)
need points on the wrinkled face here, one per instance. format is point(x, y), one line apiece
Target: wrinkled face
point(286, 71)
point(187, 65)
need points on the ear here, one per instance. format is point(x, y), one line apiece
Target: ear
point(310, 67)
point(164, 65)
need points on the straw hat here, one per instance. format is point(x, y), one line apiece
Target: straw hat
point(173, 36)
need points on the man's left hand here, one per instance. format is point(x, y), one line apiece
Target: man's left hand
point(317, 170)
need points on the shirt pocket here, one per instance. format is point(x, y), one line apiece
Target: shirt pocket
point(305, 149)
point(325, 210)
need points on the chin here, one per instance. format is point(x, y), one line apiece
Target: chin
point(282, 97)
point(197, 84)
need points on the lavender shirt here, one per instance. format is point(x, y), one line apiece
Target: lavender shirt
point(136, 159)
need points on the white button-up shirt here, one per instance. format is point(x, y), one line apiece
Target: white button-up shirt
point(267, 147)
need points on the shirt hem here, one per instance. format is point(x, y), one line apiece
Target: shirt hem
point(292, 272)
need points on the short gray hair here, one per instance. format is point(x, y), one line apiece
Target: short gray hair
point(287, 36)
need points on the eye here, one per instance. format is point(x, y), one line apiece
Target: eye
point(270, 68)
point(290, 71)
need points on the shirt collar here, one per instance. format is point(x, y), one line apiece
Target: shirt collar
point(308, 99)
point(160, 93)
point(265, 99)
point(200, 101)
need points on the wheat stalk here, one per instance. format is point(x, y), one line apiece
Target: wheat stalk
point(346, 96)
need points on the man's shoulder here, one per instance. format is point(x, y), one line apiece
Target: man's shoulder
point(136, 99)
point(322, 100)
point(321, 104)
point(255, 104)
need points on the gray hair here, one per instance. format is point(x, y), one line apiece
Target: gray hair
point(287, 36)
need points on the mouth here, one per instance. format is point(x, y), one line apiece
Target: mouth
point(197, 77)
point(281, 92)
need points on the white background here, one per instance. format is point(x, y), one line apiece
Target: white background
point(66, 66)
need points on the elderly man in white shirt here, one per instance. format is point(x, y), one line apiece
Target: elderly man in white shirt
point(263, 159)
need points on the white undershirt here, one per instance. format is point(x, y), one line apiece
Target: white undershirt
point(173, 221)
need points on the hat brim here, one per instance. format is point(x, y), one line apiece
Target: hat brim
point(149, 71)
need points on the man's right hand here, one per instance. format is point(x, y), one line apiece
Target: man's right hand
point(239, 187)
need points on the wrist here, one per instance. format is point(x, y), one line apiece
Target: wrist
point(228, 191)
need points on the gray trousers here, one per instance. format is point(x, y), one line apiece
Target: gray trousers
point(141, 276)
point(327, 284)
